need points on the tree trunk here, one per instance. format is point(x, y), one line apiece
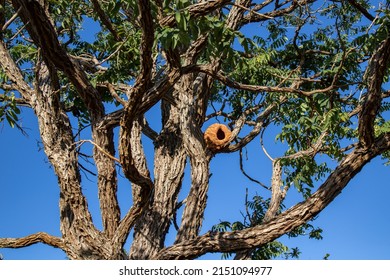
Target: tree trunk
point(169, 164)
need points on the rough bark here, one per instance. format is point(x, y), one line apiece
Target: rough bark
point(169, 164)
point(374, 78)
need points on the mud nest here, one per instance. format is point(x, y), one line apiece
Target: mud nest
point(217, 136)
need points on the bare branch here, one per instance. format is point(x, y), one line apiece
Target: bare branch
point(312, 151)
point(81, 142)
point(40, 237)
point(256, 129)
point(256, 17)
point(246, 174)
point(10, 21)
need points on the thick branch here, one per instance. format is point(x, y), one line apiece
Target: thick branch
point(44, 35)
point(361, 9)
point(14, 73)
point(285, 222)
point(40, 237)
point(105, 19)
point(375, 74)
point(140, 192)
point(169, 163)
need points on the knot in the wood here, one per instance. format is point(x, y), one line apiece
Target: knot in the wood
point(217, 136)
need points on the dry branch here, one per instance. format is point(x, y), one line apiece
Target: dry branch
point(40, 237)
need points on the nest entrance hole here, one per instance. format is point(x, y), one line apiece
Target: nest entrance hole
point(220, 134)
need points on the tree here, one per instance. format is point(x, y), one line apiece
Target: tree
point(314, 70)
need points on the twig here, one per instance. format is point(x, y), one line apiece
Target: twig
point(249, 177)
point(9, 22)
point(81, 142)
point(262, 146)
point(252, 11)
point(114, 94)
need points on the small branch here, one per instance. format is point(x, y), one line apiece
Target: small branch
point(249, 177)
point(261, 119)
point(312, 151)
point(9, 22)
point(252, 17)
point(147, 130)
point(112, 91)
point(40, 237)
point(18, 101)
point(81, 142)
point(263, 148)
point(257, 88)
point(196, 10)
point(252, 11)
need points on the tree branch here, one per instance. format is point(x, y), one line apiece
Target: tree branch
point(14, 73)
point(255, 131)
point(18, 101)
point(132, 109)
point(257, 88)
point(142, 186)
point(361, 9)
point(40, 237)
point(10, 21)
point(249, 177)
point(44, 35)
point(196, 10)
point(256, 17)
point(374, 75)
point(105, 19)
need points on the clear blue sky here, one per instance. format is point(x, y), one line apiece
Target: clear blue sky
point(356, 225)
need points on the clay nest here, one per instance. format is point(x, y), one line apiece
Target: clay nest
point(217, 136)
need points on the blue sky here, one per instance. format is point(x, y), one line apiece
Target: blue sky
point(356, 225)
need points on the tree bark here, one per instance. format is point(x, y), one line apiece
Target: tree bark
point(169, 163)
